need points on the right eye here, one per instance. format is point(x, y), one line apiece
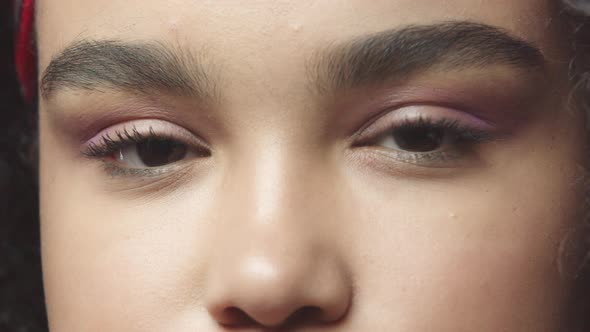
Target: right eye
point(425, 135)
point(152, 152)
point(145, 146)
point(418, 139)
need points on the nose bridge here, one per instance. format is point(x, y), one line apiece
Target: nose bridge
point(279, 187)
point(269, 215)
point(272, 206)
point(273, 258)
point(277, 181)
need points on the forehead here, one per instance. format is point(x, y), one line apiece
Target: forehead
point(259, 26)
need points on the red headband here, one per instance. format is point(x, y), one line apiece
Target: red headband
point(25, 50)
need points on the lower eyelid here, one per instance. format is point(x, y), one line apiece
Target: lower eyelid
point(400, 165)
point(145, 183)
point(150, 172)
point(114, 169)
point(418, 157)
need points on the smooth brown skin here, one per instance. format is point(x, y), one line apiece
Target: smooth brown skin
point(287, 215)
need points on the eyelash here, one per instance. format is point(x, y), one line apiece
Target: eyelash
point(108, 145)
point(464, 137)
point(466, 133)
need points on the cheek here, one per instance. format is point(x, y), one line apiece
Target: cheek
point(115, 266)
point(480, 249)
point(112, 261)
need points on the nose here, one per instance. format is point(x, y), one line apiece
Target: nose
point(276, 264)
point(271, 292)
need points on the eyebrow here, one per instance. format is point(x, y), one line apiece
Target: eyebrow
point(146, 67)
point(398, 53)
point(141, 67)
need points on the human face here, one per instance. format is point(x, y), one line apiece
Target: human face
point(316, 165)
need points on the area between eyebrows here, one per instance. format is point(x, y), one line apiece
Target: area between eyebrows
point(138, 67)
point(398, 53)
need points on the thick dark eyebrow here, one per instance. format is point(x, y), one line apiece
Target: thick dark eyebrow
point(142, 67)
point(397, 53)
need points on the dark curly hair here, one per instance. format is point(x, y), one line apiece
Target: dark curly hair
point(21, 293)
point(577, 14)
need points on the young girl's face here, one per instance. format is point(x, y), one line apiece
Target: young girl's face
point(307, 165)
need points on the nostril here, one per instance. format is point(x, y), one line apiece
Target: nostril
point(305, 315)
point(234, 316)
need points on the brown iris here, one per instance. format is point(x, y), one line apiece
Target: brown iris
point(419, 139)
point(159, 152)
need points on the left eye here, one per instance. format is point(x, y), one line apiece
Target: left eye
point(418, 139)
point(151, 153)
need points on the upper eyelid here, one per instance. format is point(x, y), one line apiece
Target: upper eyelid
point(359, 134)
point(147, 127)
point(435, 113)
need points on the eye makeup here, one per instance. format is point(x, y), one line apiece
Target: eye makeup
point(417, 113)
point(500, 98)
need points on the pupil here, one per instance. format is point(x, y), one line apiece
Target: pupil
point(419, 139)
point(154, 153)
